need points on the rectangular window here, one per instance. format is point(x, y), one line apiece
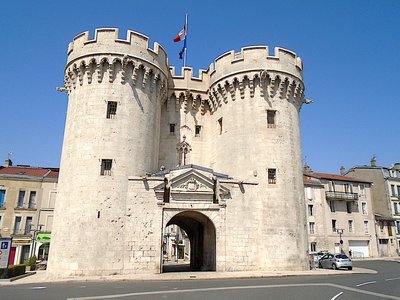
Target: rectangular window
point(32, 200)
point(349, 207)
point(398, 190)
point(396, 208)
point(397, 226)
point(333, 225)
point(362, 189)
point(347, 188)
point(21, 197)
point(313, 247)
point(366, 227)
point(271, 118)
point(28, 225)
point(350, 225)
point(197, 130)
point(364, 208)
point(310, 210)
point(332, 205)
point(312, 227)
point(381, 226)
point(171, 128)
point(2, 198)
point(220, 125)
point(106, 165)
point(0, 220)
point(272, 176)
point(111, 109)
point(17, 225)
point(393, 190)
point(309, 193)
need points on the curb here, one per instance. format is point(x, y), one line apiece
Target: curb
point(18, 277)
point(42, 278)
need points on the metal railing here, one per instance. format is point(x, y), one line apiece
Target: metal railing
point(21, 232)
point(341, 196)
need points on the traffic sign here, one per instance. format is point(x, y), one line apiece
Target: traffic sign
point(5, 246)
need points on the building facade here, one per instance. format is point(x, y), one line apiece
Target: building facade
point(145, 148)
point(340, 215)
point(386, 203)
point(27, 198)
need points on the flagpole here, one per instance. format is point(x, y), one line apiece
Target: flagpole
point(185, 51)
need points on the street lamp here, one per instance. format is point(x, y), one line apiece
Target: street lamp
point(35, 231)
point(340, 232)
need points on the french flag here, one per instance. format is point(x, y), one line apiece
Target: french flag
point(181, 35)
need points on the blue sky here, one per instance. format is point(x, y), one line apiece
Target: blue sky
point(350, 51)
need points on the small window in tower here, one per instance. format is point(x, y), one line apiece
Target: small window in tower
point(171, 128)
point(220, 125)
point(111, 109)
point(272, 176)
point(271, 118)
point(197, 130)
point(106, 165)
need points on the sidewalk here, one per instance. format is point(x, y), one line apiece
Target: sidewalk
point(41, 277)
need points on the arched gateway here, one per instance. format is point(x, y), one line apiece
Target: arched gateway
point(202, 236)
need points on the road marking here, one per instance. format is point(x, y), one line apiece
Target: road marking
point(237, 288)
point(37, 288)
point(337, 296)
point(390, 279)
point(365, 283)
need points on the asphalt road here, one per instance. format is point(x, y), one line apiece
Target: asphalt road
point(383, 285)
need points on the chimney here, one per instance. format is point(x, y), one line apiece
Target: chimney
point(373, 161)
point(342, 170)
point(8, 163)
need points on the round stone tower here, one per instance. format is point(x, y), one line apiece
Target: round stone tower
point(255, 101)
point(115, 87)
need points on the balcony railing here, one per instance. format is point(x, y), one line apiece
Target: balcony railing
point(341, 196)
point(21, 232)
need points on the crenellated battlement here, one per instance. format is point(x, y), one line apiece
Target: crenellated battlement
point(256, 58)
point(187, 80)
point(186, 86)
point(231, 76)
point(106, 41)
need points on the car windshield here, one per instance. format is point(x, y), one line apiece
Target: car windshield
point(342, 256)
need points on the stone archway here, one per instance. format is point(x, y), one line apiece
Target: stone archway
point(202, 235)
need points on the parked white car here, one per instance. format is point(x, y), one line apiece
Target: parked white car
point(335, 261)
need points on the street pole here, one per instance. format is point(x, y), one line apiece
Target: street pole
point(340, 232)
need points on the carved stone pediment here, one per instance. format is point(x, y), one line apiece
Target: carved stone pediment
point(192, 186)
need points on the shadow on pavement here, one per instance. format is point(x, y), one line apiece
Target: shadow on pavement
point(176, 268)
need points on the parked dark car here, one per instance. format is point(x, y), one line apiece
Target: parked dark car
point(335, 261)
